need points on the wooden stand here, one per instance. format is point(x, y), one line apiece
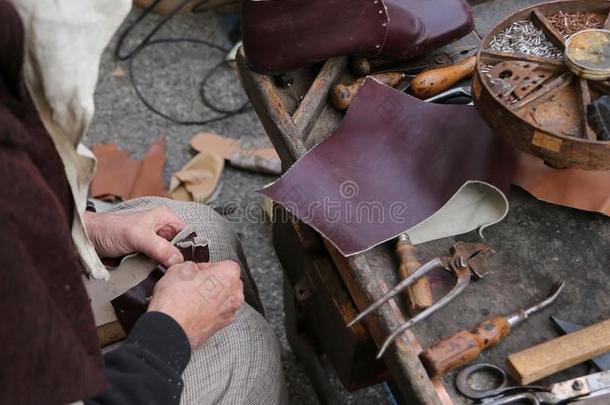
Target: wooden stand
point(537, 244)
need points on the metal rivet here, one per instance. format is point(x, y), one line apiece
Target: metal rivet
point(577, 385)
point(377, 46)
point(384, 24)
point(380, 11)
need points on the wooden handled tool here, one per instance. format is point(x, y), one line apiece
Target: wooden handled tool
point(418, 294)
point(558, 354)
point(341, 95)
point(362, 66)
point(435, 81)
point(463, 346)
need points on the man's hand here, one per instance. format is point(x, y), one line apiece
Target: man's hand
point(148, 232)
point(201, 297)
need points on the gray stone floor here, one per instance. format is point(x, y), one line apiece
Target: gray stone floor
point(169, 76)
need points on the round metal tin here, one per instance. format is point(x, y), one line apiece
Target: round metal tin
point(587, 54)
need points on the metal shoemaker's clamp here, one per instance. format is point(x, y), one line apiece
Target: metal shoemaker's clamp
point(468, 260)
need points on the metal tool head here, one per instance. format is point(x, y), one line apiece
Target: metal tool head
point(520, 316)
point(422, 271)
point(581, 386)
point(473, 255)
point(462, 91)
point(555, 291)
point(565, 326)
point(463, 52)
point(415, 67)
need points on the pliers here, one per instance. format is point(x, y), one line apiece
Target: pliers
point(467, 261)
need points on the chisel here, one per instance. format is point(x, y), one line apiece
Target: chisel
point(464, 346)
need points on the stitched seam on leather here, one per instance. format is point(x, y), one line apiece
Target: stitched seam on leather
point(387, 27)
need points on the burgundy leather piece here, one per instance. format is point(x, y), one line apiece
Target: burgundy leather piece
point(391, 151)
point(134, 302)
point(428, 25)
point(282, 35)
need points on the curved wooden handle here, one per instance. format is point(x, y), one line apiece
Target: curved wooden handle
point(341, 95)
point(435, 81)
point(419, 296)
point(463, 347)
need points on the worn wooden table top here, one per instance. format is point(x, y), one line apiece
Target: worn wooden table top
point(536, 244)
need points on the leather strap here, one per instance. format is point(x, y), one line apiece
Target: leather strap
point(133, 303)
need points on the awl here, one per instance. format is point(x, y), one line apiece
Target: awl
point(602, 362)
point(464, 346)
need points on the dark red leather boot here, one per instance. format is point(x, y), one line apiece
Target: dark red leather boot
point(282, 35)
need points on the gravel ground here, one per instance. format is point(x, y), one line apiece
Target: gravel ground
point(169, 75)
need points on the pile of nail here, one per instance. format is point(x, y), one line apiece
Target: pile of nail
point(525, 38)
point(571, 23)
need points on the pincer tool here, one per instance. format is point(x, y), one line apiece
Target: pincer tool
point(468, 260)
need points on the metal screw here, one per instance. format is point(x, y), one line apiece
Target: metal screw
point(577, 385)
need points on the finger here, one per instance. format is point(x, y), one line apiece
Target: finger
point(158, 249)
point(169, 230)
point(204, 265)
point(166, 223)
point(186, 271)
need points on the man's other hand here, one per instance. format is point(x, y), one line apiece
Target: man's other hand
point(201, 297)
point(148, 232)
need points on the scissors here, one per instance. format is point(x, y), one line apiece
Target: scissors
point(581, 388)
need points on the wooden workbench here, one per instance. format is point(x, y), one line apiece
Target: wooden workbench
point(536, 245)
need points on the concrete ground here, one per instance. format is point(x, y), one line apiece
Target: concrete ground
point(169, 76)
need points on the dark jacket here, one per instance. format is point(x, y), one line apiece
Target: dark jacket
point(50, 351)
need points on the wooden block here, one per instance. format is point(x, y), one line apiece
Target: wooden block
point(110, 333)
point(559, 354)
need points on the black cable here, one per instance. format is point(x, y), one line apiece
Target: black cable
point(142, 44)
point(146, 42)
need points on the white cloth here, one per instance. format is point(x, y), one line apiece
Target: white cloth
point(64, 43)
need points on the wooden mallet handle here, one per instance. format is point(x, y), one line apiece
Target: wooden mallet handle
point(558, 354)
point(418, 294)
point(341, 95)
point(435, 81)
